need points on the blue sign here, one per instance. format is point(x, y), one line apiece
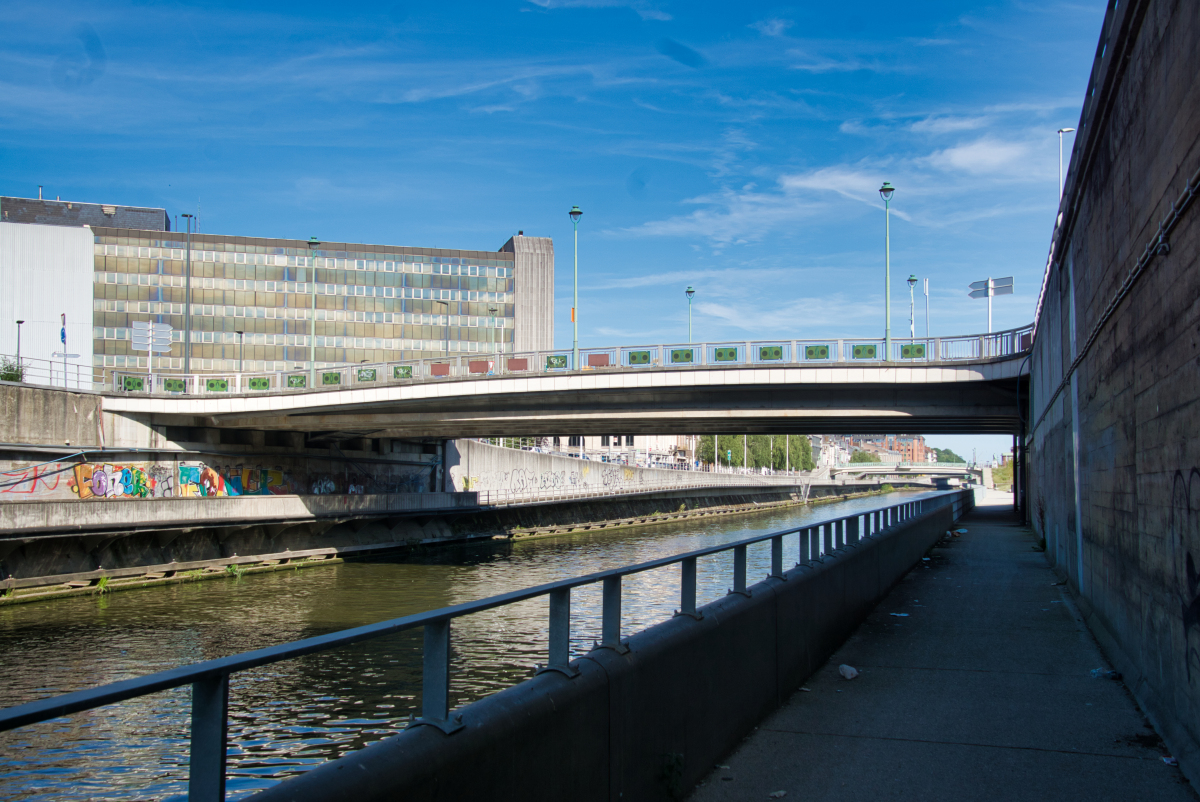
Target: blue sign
point(62, 335)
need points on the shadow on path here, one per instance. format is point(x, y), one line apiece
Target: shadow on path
point(975, 684)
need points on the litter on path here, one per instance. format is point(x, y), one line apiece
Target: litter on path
point(1105, 673)
point(847, 672)
point(900, 615)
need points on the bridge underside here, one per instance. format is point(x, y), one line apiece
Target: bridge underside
point(978, 407)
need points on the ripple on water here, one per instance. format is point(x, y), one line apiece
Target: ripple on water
point(287, 717)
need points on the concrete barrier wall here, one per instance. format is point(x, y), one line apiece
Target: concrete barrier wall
point(509, 472)
point(1114, 460)
point(648, 724)
point(44, 416)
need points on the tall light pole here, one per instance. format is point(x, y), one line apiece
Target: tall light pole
point(492, 328)
point(187, 302)
point(912, 321)
point(1061, 131)
point(575, 214)
point(313, 242)
point(689, 292)
point(926, 309)
point(447, 306)
point(241, 351)
point(885, 192)
point(19, 371)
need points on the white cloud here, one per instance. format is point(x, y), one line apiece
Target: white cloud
point(643, 9)
point(772, 27)
point(982, 156)
point(946, 124)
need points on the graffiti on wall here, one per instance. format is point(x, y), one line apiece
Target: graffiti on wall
point(1184, 527)
point(104, 480)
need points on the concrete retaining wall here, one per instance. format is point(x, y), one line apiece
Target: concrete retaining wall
point(504, 472)
point(646, 725)
point(1114, 460)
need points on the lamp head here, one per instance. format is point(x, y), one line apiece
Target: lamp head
point(313, 242)
point(689, 292)
point(912, 280)
point(1065, 130)
point(886, 191)
point(19, 322)
point(575, 214)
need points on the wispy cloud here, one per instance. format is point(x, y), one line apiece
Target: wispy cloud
point(982, 156)
point(644, 9)
point(772, 27)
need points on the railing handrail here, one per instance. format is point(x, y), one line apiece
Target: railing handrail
point(76, 701)
point(457, 367)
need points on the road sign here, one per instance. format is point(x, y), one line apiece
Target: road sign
point(989, 288)
point(153, 337)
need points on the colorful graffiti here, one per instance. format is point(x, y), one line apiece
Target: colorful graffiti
point(103, 480)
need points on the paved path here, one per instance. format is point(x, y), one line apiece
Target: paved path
point(983, 692)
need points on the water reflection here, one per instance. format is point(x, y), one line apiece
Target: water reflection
point(290, 716)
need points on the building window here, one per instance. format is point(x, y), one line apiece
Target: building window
point(629, 440)
point(605, 438)
point(575, 441)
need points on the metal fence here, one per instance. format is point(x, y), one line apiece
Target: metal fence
point(210, 679)
point(500, 498)
point(47, 372)
point(768, 353)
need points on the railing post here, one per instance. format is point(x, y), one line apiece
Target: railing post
point(610, 626)
point(435, 678)
point(739, 570)
point(852, 529)
point(687, 588)
point(827, 530)
point(560, 633)
point(206, 769)
point(814, 543)
point(777, 557)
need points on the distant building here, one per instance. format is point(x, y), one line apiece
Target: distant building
point(106, 267)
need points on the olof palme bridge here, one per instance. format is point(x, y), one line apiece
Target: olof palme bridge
point(978, 392)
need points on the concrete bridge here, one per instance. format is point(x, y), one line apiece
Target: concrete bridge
point(977, 392)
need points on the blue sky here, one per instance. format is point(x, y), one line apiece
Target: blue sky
point(734, 147)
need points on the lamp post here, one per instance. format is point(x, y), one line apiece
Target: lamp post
point(926, 309)
point(885, 192)
point(689, 292)
point(1061, 131)
point(912, 321)
point(447, 327)
point(20, 376)
point(241, 351)
point(187, 301)
point(575, 215)
point(313, 242)
point(492, 329)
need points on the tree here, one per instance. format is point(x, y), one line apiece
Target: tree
point(864, 456)
point(946, 455)
point(10, 371)
point(762, 450)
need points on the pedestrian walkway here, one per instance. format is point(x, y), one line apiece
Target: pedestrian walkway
point(974, 684)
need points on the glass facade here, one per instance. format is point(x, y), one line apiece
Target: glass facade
point(370, 303)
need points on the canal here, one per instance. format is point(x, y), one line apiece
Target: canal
point(290, 716)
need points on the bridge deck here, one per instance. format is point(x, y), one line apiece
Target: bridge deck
point(982, 692)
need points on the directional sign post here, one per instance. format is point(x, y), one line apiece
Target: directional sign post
point(151, 337)
point(988, 288)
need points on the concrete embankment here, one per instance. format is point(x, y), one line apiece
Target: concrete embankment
point(647, 723)
point(174, 539)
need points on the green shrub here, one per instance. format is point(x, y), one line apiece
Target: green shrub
point(10, 371)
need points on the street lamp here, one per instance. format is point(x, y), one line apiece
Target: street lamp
point(912, 283)
point(20, 373)
point(926, 309)
point(447, 305)
point(313, 242)
point(885, 192)
point(241, 351)
point(187, 302)
point(689, 292)
point(575, 215)
point(1061, 131)
point(492, 329)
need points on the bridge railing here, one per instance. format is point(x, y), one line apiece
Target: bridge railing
point(505, 497)
point(761, 353)
point(210, 679)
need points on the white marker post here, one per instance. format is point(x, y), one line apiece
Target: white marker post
point(151, 337)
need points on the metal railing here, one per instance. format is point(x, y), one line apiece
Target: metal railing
point(767, 353)
point(47, 372)
point(210, 679)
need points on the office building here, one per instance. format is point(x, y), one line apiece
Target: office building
point(256, 301)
